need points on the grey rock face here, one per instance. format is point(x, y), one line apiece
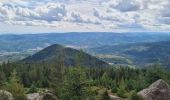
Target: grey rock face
point(159, 90)
point(5, 95)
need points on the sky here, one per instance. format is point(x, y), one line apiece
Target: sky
point(42, 16)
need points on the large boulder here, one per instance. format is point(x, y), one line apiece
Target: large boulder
point(41, 96)
point(159, 90)
point(5, 95)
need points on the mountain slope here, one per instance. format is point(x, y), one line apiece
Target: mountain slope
point(69, 56)
point(139, 53)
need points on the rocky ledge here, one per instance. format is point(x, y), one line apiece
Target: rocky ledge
point(159, 90)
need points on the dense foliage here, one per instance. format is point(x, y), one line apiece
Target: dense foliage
point(75, 83)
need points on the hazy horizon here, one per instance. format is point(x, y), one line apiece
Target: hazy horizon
point(34, 33)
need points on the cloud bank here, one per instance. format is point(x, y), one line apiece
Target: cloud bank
point(88, 15)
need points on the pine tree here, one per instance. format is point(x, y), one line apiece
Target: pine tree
point(2, 78)
point(15, 87)
point(105, 80)
point(57, 76)
point(74, 85)
point(33, 89)
point(121, 90)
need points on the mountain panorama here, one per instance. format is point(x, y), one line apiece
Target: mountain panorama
point(84, 50)
point(97, 66)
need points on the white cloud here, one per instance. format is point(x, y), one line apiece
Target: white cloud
point(126, 5)
point(78, 18)
point(49, 12)
point(15, 2)
point(109, 15)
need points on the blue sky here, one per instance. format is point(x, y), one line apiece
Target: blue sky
point(39, 16)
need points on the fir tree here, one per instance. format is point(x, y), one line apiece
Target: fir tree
point(15, 87)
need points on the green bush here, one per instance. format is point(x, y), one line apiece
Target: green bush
point(15, 87)
point(121, 92)
point(135, 96)
point(113, 89)
point(33, 89)
point(49, 97)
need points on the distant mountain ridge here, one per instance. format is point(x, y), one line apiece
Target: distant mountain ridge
point(140, 54)
point(68, 56)
point(26, 42)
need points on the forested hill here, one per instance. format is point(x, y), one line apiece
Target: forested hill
point(68, 56)
point(138, 53)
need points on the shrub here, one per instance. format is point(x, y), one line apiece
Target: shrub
point(135, 96)
point(33, 89)
point(121, 92)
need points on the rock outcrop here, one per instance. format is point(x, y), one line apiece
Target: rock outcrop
point(113, 97)
point(41, 96)
point(159, 90)
point(5, 95)
point(34, 96)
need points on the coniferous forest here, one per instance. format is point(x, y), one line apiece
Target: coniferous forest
point(78, 82)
